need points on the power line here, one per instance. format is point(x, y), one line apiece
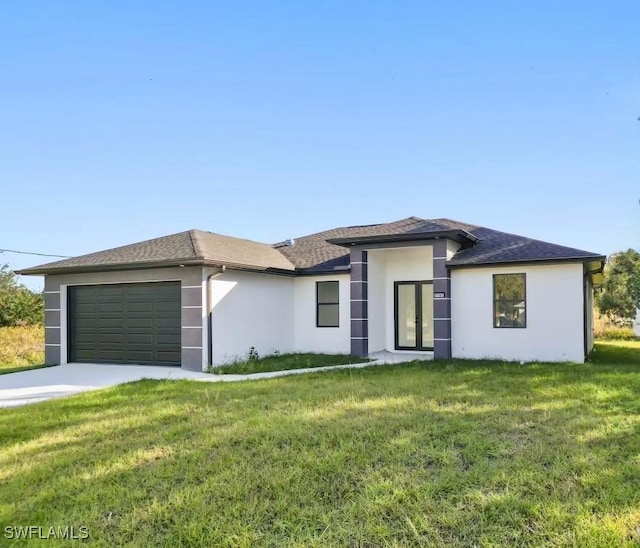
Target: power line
point(30, 253)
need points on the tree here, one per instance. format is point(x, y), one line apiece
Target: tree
point(18, 304)
point(620, 295)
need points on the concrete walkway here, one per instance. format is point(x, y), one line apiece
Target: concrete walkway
point(36, 385)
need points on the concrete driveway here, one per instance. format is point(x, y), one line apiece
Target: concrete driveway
point(64, 380)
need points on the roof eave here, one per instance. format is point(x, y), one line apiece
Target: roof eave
point(460, 236)
point(80, 269)
point(77, 269)
point(581, 260)
point(252, 268)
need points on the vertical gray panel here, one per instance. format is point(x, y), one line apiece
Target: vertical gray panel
point(51, 283)
point(52, 318)
point(191, 337)
point(360, 347)
point(52, 301)
point(359, 308)
point(192, 359)
point(441, 306)
point(52, 355)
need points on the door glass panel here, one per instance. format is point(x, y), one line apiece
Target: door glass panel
point(406, 315)
point(427, 315)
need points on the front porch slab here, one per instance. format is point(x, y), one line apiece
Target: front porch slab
point(384, 357)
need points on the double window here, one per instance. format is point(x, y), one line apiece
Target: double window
point(509, 300)
point(327, 304)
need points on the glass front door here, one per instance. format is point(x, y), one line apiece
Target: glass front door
point(414, 315)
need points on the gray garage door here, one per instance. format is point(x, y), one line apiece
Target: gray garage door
point(125, 323)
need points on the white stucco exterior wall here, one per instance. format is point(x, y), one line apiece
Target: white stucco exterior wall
point(251, 309)
point(555, 311)
point(636, 323)
point(377, 300)
point(452, 247)
point(589, 311)
point(309, 338)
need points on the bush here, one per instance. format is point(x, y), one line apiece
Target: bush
point(19, 306)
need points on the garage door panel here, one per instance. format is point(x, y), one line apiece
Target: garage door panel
point(169, 356)
point(103, 338)
point(110, 308)
point(140, 323)
point(88, 324)
point(86, 308)
point(140, 338)
point(140, 308)
point(86, 294)
point(165, 306)
point(167, 292)
point(168, 339)
point(168, 323)
point(84, 356)
point(109, 290)
point(125, 323)
point(106, 323)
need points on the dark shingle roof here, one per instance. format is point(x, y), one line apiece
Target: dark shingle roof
point(189, 247)
point(501, 247)
point(315, 253)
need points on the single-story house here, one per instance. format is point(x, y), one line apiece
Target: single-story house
point(437, 287)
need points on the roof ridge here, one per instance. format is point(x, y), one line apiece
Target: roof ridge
point(455, 221)
point(195, 243)
point(208, 232)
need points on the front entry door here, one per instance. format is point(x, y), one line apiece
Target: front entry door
point(414, 315)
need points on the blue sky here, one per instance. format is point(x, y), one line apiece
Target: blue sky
point(122, 121)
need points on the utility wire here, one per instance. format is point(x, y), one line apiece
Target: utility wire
point(29, 253)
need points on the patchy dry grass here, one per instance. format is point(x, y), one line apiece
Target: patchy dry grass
point(21, 348)
point(452, 453)
point(605, 328)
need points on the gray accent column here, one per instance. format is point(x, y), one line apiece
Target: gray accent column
point(192, 319)
point(441, 305)
point(359, 296)
point(52, 327)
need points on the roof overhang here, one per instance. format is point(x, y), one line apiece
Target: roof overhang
point(596, 262)
point(461, 236)
point(80, 269)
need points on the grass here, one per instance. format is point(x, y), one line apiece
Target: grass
point(21, 348)
point(281, 362)
point(451, 453)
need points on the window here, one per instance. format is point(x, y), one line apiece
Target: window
point(509, 300)
point(327, 304)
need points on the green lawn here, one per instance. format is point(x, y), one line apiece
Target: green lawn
point(447, 454)
point(286, 361)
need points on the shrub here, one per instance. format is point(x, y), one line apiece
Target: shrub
point(19, 306)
